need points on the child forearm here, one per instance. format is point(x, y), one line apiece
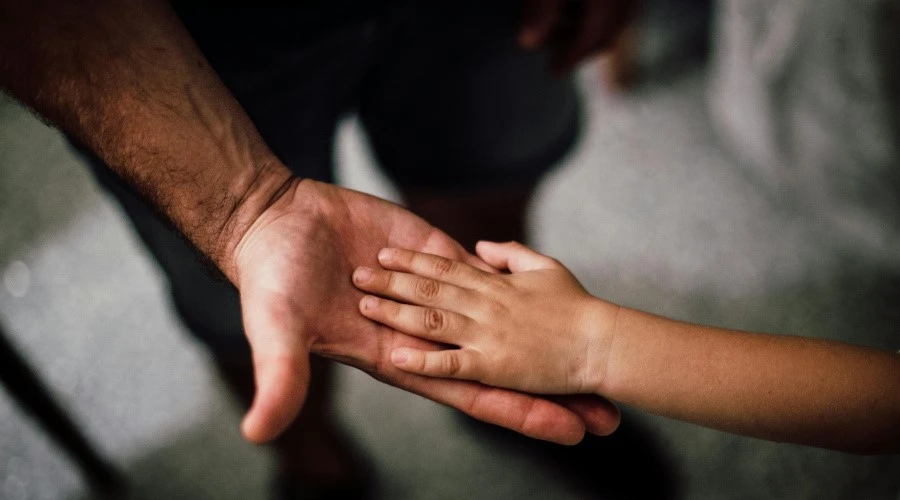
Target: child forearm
point(775, 387)
point(538, 330)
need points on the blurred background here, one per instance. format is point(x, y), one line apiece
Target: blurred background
point(739, 168)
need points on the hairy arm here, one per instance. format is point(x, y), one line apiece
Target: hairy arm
point(126, 80)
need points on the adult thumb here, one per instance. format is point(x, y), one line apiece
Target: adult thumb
point(280, 365)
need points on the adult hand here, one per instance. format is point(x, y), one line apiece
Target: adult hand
point(573, 30)
point(127, 81)
point(293, 270)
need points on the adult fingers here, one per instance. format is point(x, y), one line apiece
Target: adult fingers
point(439, 243)
point(524, 413)
point(514, 256)
point(600, 415)
point(476, 262)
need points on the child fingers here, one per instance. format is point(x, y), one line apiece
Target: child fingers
point(432, 324)
point(451, 363)
point(514, 256)
point(432, 266)
point(413, 289)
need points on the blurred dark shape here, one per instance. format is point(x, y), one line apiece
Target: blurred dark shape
point(33, 396)
point(664, 39)
point(630, 463)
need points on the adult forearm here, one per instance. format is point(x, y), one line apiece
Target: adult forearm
point(775, 387)
point(126, 80)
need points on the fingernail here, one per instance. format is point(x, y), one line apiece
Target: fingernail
point(399, 357)
point(386, 254)
point(370, 302)
point(362, 274)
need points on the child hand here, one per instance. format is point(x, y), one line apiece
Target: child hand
point(535, 330)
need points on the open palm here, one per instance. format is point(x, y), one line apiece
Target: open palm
point(294, 268)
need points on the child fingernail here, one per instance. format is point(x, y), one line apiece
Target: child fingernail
point(370, 303)
point(386, 254)
point(362, 275)
point(399, 357)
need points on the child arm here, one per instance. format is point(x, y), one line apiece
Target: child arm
point(776, 387)
point(538, 330)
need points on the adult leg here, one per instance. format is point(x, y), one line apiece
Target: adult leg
point(464, 120)
point(497, 214)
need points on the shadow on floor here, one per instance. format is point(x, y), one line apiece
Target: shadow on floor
point(630, 463)
point(43, 184)
point(198, 465)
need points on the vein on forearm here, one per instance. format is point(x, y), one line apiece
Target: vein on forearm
point(126, 80)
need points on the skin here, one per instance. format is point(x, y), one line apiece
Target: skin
point(126, 80)
point(573, 31)
point(537, 330)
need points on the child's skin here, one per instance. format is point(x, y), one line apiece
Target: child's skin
point(537, 330)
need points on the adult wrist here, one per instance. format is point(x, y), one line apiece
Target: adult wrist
point(255, 193)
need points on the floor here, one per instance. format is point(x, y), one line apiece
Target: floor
point(649, 211)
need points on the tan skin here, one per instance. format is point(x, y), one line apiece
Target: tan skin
point(126, 80)
point(573, 31)
point(538, 330)
point(297, 299)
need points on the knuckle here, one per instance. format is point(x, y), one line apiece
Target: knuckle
point(390, 310)
point(402, 256)
point(451, 363)
point(443, 267)
point(498, 285)
point(434, 320)
point(495, 309)
point(427, 289)
point(391, 283)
